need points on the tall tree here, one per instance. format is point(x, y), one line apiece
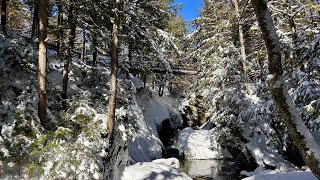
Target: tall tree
point(297, 130)
point(35, 21)
point(43, 21)
point(60, 22)
point(83, 53)
point(3, 15)
point(242, 48)
point(114, 70)
point(94, 50)
point(69, 36)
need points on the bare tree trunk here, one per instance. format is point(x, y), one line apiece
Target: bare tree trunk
point(35, 22)
point(68, 44)
point(43, 19)
point(243, 49)
point(298, 132)
point(114, 70)
point(3, 15)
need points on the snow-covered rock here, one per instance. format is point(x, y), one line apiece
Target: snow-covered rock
point(145, 144)
point(156, 170)
point(200, 144)
point(149, 112)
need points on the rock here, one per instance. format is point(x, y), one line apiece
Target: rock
point(200, 144)
point(243, 160)
point(165, 131)
point(193, 113)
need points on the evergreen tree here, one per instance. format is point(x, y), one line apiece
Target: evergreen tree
point(43, 19)
point(114, 70)
point(3, 15)
point(69, 36)
point(35, 21)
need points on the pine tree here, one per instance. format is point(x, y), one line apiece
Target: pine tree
point(69, 36)
point(35, 21)
point(3, 15)
point(114, 70)
point(242, 48)
point(60, 24)
point(43, 19)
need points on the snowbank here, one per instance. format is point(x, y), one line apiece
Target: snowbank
point(284, 176)
point(200, 144)
point(145, 144)
point(149, 111)
point(156, 170)
point(265, 154)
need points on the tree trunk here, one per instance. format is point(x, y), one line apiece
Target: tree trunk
point(83, 54)
point(298, 132)
point(94, 51)
point(68, 44)
point(43, 18)
point(114, 70)
point(35, 22)
point(3, 15)
point(243, 49)
point(72, 24)
point(60, 23)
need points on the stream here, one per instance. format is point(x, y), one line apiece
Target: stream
point(197, 169)
point(210, 169)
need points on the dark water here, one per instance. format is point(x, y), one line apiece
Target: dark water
point(211, 169)
point(204, 169)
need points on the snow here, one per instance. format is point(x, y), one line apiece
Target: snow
point(284, 176)
point(145, 144)
point(156, 170)
point(149, 111)
point(313, 146)
point(265, 154)
point(315, 43)
point(200, 144)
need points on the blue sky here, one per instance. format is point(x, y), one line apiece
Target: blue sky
point(190, 8)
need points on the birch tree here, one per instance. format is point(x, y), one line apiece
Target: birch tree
point(297, 130)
